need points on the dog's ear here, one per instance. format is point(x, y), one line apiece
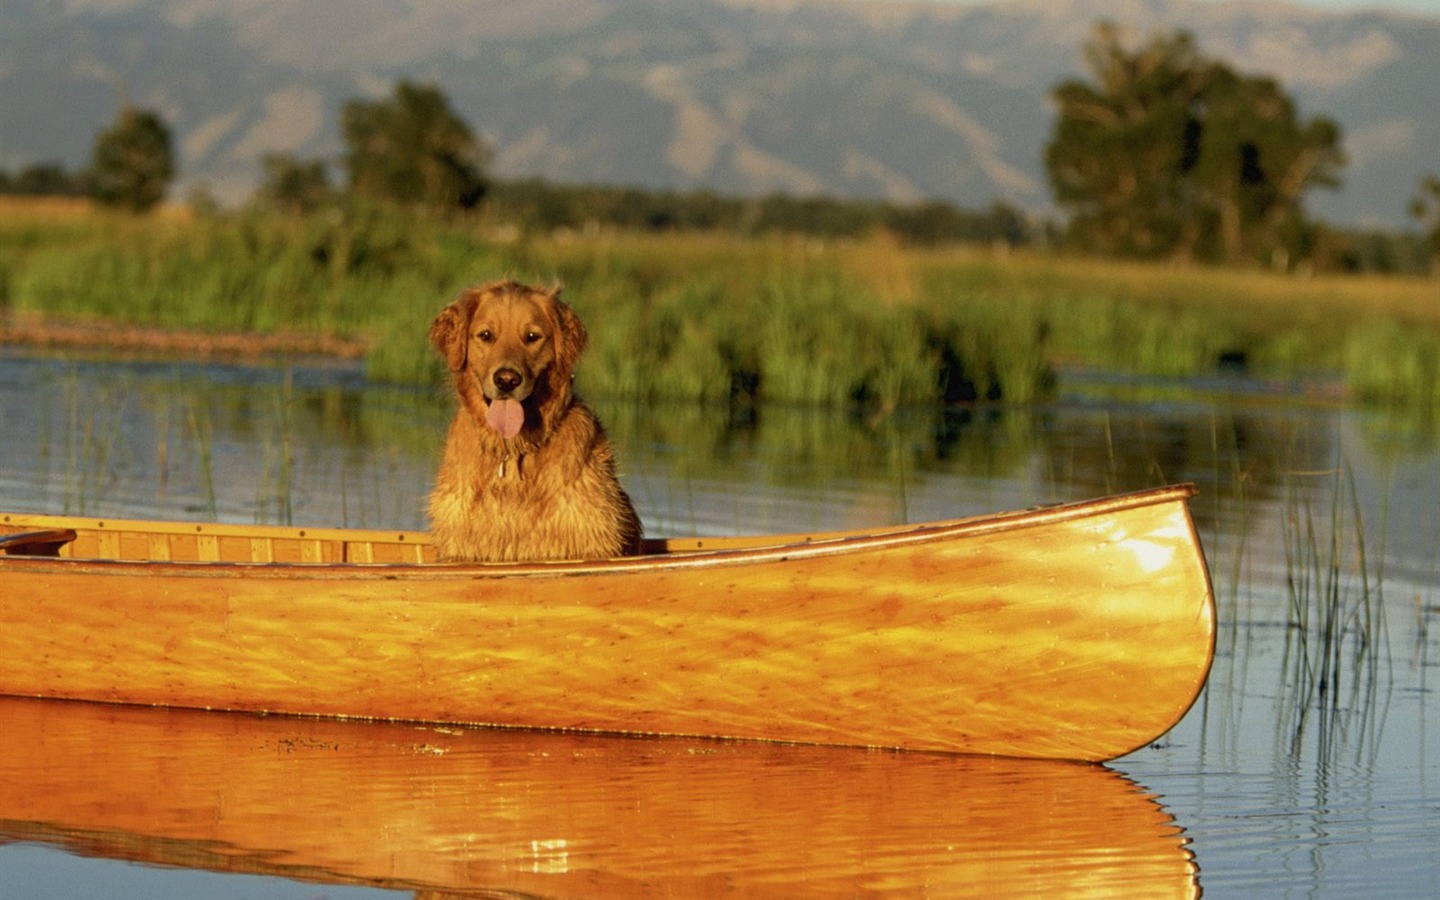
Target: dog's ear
point(570, 335)
point(450, 332)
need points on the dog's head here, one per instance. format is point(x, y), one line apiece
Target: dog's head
point(512, 351)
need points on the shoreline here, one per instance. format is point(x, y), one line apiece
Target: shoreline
point(35, 331)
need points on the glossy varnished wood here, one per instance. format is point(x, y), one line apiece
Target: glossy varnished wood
point(514, 813)
point(1080, 631)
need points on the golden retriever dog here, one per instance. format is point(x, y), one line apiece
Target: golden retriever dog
point(528, 473)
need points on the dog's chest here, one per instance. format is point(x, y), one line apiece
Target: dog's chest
point(531, 511)
point(530, 479)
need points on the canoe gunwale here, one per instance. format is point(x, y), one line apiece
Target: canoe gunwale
point(782, 549)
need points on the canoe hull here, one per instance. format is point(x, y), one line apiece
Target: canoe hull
point(1077, 632)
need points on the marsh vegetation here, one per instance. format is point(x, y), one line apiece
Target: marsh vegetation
point(720, 318)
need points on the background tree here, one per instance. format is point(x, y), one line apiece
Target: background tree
point(1255, 162)
point(1122, 146)
point(132, 163)
point(1426, 209)
point(1168, 153)
point(413, 149)
point(292, 185)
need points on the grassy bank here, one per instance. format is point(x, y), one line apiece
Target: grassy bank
point(708, 317)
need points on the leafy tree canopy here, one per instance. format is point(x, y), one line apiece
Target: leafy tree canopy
point(133, 162)
point(292, 185)
point(1166, 153)
point(413, 149)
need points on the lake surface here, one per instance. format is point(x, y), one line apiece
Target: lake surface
point(1308, 767)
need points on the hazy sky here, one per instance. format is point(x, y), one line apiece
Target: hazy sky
point(1426, 6)
point(1429, 6)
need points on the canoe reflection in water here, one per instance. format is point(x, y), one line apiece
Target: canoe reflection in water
point(440, 810)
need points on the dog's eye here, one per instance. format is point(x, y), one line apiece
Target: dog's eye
point(532, 336)
point(487, 336)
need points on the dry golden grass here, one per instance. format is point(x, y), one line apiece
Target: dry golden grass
point(17, 211)
point(1245, 293)
point(22, 211)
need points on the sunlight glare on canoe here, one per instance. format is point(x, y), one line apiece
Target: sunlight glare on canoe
point(1153, 552)
point(1151, 556)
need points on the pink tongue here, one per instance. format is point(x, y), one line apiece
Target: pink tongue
point(506, 417)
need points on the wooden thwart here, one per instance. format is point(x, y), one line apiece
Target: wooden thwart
point(45, 542)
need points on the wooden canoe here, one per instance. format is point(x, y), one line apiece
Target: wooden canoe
point(1080, 631)
point(440, 810)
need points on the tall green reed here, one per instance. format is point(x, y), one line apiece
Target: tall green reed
point(1336, 654)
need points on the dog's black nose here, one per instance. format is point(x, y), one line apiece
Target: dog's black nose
point(507, 380)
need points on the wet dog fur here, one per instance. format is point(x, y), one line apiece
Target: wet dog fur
point(527, 471)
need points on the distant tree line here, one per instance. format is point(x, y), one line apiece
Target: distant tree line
point(412, 149)
point(540, 205)
point(131, 166)
point(45, 179)
point(1163, 153)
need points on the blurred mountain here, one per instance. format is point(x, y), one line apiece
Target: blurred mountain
point(868, 98)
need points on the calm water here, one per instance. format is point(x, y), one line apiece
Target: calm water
point(1309, 767)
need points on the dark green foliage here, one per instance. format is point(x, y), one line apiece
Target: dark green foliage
point(45, 179)
point(1426, 209)
point(294, 186)
point(413, 149)
point(1169, 154)
point(133, 162)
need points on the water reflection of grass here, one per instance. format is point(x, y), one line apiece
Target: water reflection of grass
point(274, 494)
point(808, 447)
point(89, 447)
point(1336, 642)
point(709, 317)
point(200, 431)
point(1228, 510)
